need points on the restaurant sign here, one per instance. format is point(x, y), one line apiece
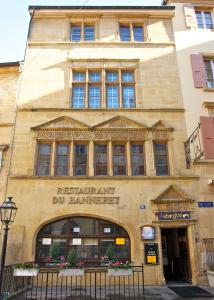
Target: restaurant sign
point(173, 215)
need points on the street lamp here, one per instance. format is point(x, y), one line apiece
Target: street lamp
point(8, 211)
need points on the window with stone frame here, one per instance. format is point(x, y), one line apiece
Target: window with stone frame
point(62, 159)
point(119, 159)
point(209, 72)
point(80, 159)
point(137, 159)
point(204, 19)
point(82, 32)
point(88, 88)
point(43, 160)
point(100, 159)
point(130, 32)
point(161, 158)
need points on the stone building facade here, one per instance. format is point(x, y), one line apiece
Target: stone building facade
point(195, 55)
point(98, 153)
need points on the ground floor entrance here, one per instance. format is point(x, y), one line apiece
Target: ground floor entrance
point(175, 252)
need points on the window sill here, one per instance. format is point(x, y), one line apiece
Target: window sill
point(208, 89)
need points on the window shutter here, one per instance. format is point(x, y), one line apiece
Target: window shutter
point(207, 130)
point(190, 16)
point(198, 69)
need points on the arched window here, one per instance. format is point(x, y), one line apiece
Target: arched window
point(89, 237)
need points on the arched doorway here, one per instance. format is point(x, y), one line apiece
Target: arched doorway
point(89, 237)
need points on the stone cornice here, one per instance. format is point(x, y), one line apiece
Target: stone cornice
point(143, 178)
point(50, 109)
point(96, 43)
point(6, 124)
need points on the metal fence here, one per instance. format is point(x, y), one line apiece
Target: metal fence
point(95, 284)
point(209, 247)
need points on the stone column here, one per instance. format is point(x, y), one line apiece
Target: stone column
point(172, 169)
point(128, 153)
point(149, 156)
point(71, 169)
point(52, 159)
point(110, 158)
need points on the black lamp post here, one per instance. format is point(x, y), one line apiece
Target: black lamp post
point(8, 211)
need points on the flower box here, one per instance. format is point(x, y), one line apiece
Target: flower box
point(210, 275)
point(25, 272)
point(71, 272)
point(120, 272)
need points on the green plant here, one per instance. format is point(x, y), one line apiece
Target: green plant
point(120, 265)
point(26, 266)
point(72, 259)
point(110, 252)
point(55, 252)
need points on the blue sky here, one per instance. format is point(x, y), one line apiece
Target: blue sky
point(14, 19)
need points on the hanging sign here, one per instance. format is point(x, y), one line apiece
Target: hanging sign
point(46, 241)
point(173, 215)
point(147, 233)
point(151, 253)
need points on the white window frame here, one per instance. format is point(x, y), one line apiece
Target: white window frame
point(203, 18)
point(212, 68)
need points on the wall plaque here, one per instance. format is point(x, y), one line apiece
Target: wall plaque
point(151, 253)
point(205, 204)
point(173, 215)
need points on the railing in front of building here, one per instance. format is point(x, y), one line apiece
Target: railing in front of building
point(94, 284)
point(209, 247)
point(193, 146)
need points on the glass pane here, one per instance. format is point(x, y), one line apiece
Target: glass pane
point(89, 33)
point(138, 33)
point(78, 96)
point(112, 76)
point(43, 159)
point(161, 159)
point(137, 159)
point(112, 97)
point(100, 160)
point(128, 96)
point(119, 159)
point(62, 159)
point(127, 76)
point(120, 251)
point(199, 19)
point(125, 33)
point(94, 96)
point(94, 76)
point(208, 20)
point(80, 160)
point(76, 33)
point(87, 226)
point(79, 76)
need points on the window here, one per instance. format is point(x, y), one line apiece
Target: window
point(119, 86)
point(161, 158)
point(137, 159)
point(80, 160)
point(95, 236)
point(62, 159)
point(76, 33)
point(131, 32)
point(125, 35)
point(119, 159)
point(204, 19)
point(100, 159)
point(43, 159)
point(209, 72)
point(82, 33)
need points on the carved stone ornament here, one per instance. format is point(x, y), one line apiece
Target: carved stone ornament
point(117, 128)
point(173, 198)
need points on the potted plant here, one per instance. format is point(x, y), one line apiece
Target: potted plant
point(119, 268)
point(72, 267)
point(108, 258)
point(55, 258)
point(26, 269)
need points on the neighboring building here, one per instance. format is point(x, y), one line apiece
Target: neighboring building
point(9, 81)
point(99, 142)
point(194, 36)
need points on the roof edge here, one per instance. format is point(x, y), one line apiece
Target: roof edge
point(10, 64)
point(40, 7)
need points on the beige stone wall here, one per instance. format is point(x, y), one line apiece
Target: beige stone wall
point(9, 77)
